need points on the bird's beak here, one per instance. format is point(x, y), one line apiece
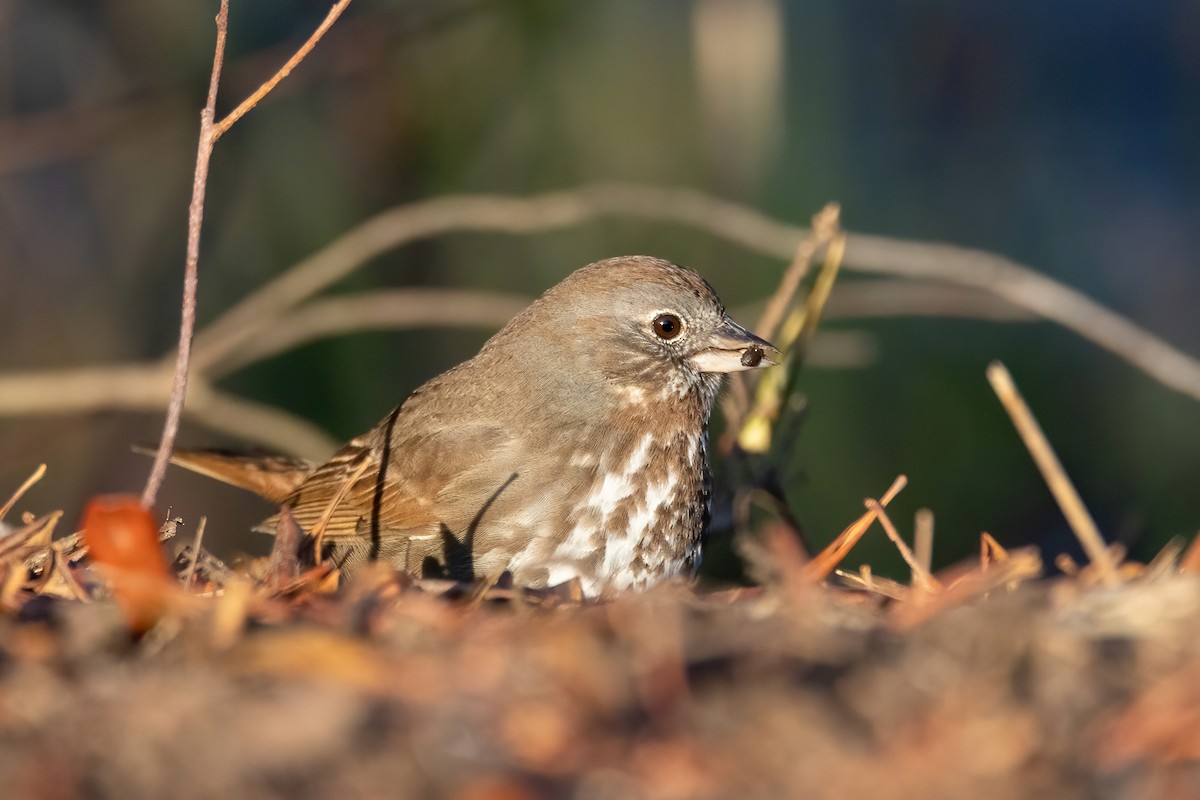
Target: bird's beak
point(732, 348)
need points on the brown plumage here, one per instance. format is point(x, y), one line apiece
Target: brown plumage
point(572, 445)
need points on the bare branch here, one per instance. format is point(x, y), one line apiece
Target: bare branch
point(954, 281)
point(864, 299)
point(825, 227)
point(262, 91)
point(187, 322)
point(262, 424)
point(999, 276)
point(378, 310)
point(210, 131)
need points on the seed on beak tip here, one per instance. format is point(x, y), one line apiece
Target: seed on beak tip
point(752, 357)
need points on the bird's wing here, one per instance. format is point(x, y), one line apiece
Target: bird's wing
point(403, 488)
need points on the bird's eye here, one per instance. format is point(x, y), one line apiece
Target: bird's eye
point(667, 326)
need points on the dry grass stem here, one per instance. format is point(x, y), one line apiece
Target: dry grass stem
point(35, 533)
point(774, 386)
point(963, 584)
point(923, 538)
point(21, 490)
point(828, 559)
point(866, 581)
point(1060, 485)
point(990, 550)
point(1165, 562)
point(816, 300)
point(190, 575)
point(921, 577)
point(824, 227)
point(1189, 564)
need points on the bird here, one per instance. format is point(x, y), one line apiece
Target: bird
point(573, 445)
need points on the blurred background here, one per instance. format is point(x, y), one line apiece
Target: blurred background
point(1062, 135)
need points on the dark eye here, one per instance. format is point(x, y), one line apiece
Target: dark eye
point(668, 326)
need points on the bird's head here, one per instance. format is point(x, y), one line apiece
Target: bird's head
point(637, 327)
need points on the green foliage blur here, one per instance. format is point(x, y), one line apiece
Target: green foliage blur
point(1060, 135)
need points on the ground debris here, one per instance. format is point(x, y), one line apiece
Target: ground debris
point(275, 680)
point(391, 688)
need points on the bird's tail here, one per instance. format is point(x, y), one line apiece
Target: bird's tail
point(273, 477)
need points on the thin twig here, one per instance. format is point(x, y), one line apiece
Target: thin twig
point(22, 489)
point(210, 131)
point(191, 570)
point(825, 226)
point(921, 576)
point(887, 298)
point(756, 432)
point(187, 322)
point(736, 403)
point(377, 310)
point(265, 89)
point(828, 559)
point(1189, 564)
point(923, 538)
point(262, 424)
point(1064, 492)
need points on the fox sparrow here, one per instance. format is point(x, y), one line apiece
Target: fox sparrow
point(572, 445)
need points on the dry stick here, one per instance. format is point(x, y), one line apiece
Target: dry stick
point(191, 571)
point(814, 304)
point(828, 559)
point(825, 226)
point(758, 233)
point(187, 322)
point(923, 538)
point(145, 387)
point(59, 565)
point(756, 431)
point(258, 422)
point(43, 527)
point(141, 386)
point(736, 402)
point(262, 91)
point(22, 489)
point(210, 131)
point(921, 576)
point(990, 550)
point(376, 310)
point(1068, 499)
point(1190, 563)
point(1165, 561)
point(893, 297)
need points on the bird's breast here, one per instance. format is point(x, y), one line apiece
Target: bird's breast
point(640, 514)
